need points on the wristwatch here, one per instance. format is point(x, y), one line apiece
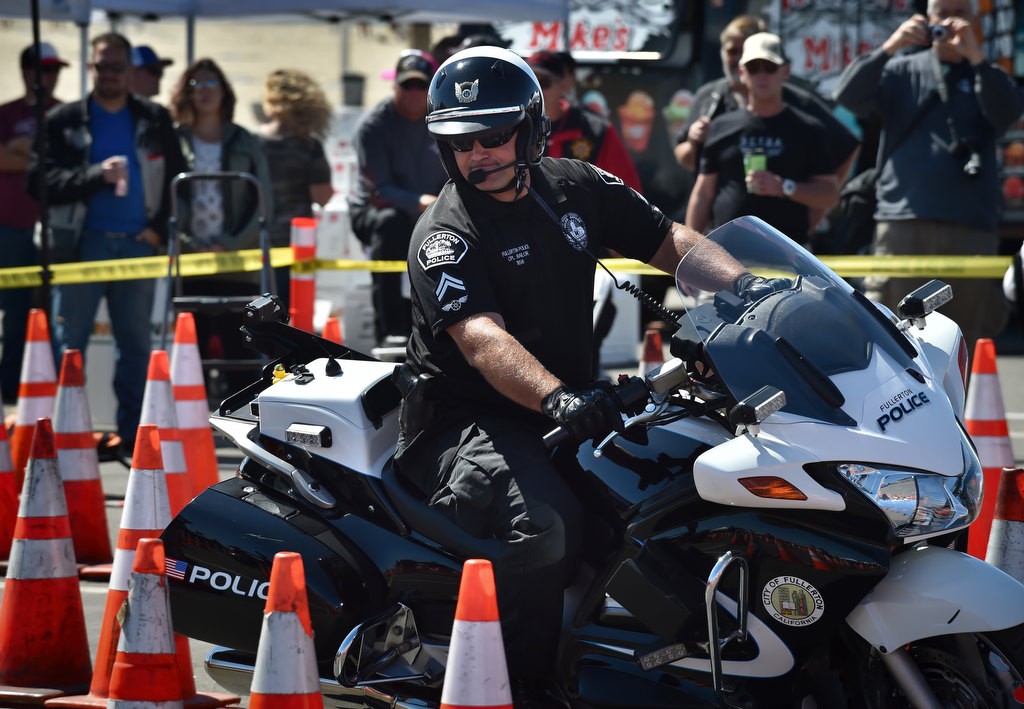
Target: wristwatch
point(788, 187)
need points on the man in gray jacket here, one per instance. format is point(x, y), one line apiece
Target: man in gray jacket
point(108, 167)
point(943, 108)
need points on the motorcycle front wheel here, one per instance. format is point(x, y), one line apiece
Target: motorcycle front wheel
point(967, 671)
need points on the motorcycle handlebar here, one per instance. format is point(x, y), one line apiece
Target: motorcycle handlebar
point(630, 396)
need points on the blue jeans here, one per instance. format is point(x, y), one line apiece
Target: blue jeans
point(130, 304)
point(16, 249)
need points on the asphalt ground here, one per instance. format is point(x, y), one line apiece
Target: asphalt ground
point(114, 478)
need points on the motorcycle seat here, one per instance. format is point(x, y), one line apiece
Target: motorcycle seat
point(433, 525)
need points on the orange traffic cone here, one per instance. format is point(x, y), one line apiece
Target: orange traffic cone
point(158, 409)
point(986, 423)
point(653, 355)
point(332, 330)
point(286, 674)
point(1006, 543)
point(43, 641)
point(8, 496)
point(146, 514)
point(302, 285)
point(192, 405)
point(36, 391)
point(476, 675)
point(145, 671)
point(79, 464)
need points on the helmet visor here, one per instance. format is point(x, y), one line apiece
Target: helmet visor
point(452, 122)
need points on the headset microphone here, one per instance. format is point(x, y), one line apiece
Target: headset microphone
point(475, 177)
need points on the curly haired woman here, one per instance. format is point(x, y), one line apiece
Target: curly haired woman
point(299, 116)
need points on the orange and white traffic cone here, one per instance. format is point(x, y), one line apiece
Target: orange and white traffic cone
point(8, 496)
point(286, 674)
point(192, 405)
point(986, 423)
point(302, 288)
point(146, 514)
point(476, 674)
point(653, 353)
point(37, 390)
point(80, 465)
point(145, 671)
point(43, 641)
point(158, 409)
point(332, 330)
point(1006, 543)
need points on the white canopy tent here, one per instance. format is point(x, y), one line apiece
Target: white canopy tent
point(407, 11)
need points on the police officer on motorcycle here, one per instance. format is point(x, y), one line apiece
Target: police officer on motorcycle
point(502, 272)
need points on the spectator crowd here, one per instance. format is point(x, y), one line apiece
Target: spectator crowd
point(754, 143)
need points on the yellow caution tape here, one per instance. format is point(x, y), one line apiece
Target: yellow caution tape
point(207, 264)
point(204, 264)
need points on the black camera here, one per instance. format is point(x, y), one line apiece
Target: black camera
point(938, 32)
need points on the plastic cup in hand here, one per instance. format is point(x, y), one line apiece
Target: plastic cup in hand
point(753, 161)
point(121, 186)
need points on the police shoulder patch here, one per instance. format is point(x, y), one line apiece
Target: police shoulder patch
point(442, 248)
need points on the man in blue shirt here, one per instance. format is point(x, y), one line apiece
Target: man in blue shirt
point(108, 167)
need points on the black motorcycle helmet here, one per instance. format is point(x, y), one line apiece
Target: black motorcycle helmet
point(482, 88)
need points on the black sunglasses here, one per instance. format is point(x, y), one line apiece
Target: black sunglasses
point(414, 85)
point(758, 66)
point(493, 138)
point(110, 67)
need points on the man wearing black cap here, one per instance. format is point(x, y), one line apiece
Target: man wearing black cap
point(18, 211)
point(149, 70)
point(400, 175)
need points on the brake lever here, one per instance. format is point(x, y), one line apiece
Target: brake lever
point(650, 412)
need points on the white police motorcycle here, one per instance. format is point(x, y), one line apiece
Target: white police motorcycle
point(775, 527)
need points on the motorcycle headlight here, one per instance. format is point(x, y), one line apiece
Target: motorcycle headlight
point(918, 504)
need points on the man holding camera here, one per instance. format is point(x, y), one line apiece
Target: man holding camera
point(943, 109)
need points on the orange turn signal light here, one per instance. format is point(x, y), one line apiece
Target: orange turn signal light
point(772, 487)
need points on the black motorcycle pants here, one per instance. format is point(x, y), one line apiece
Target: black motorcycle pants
point(387, 232)
point(494, 478)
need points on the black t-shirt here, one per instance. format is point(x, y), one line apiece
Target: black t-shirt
point(472, 254)
point(714, 99)
point(795, 147)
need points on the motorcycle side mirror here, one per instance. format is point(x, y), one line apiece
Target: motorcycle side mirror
point(749, 413)
point(266, 308)
point(924, 301)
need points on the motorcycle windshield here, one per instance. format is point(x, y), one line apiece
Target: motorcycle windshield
point(795, 332)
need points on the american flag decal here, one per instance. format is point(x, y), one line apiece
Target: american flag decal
point(174, 568)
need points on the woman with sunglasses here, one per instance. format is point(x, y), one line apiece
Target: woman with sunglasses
point(218, 214)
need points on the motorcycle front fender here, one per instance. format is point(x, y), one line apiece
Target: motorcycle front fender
point(931, 591)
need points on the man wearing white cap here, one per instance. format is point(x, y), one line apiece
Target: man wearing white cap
point(148, 71)
point(771, 160)
point(18, 211)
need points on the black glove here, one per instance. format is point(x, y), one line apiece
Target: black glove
point(587, 413)
point(752, 288)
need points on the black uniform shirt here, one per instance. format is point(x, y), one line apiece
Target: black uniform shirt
point(472, 254)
